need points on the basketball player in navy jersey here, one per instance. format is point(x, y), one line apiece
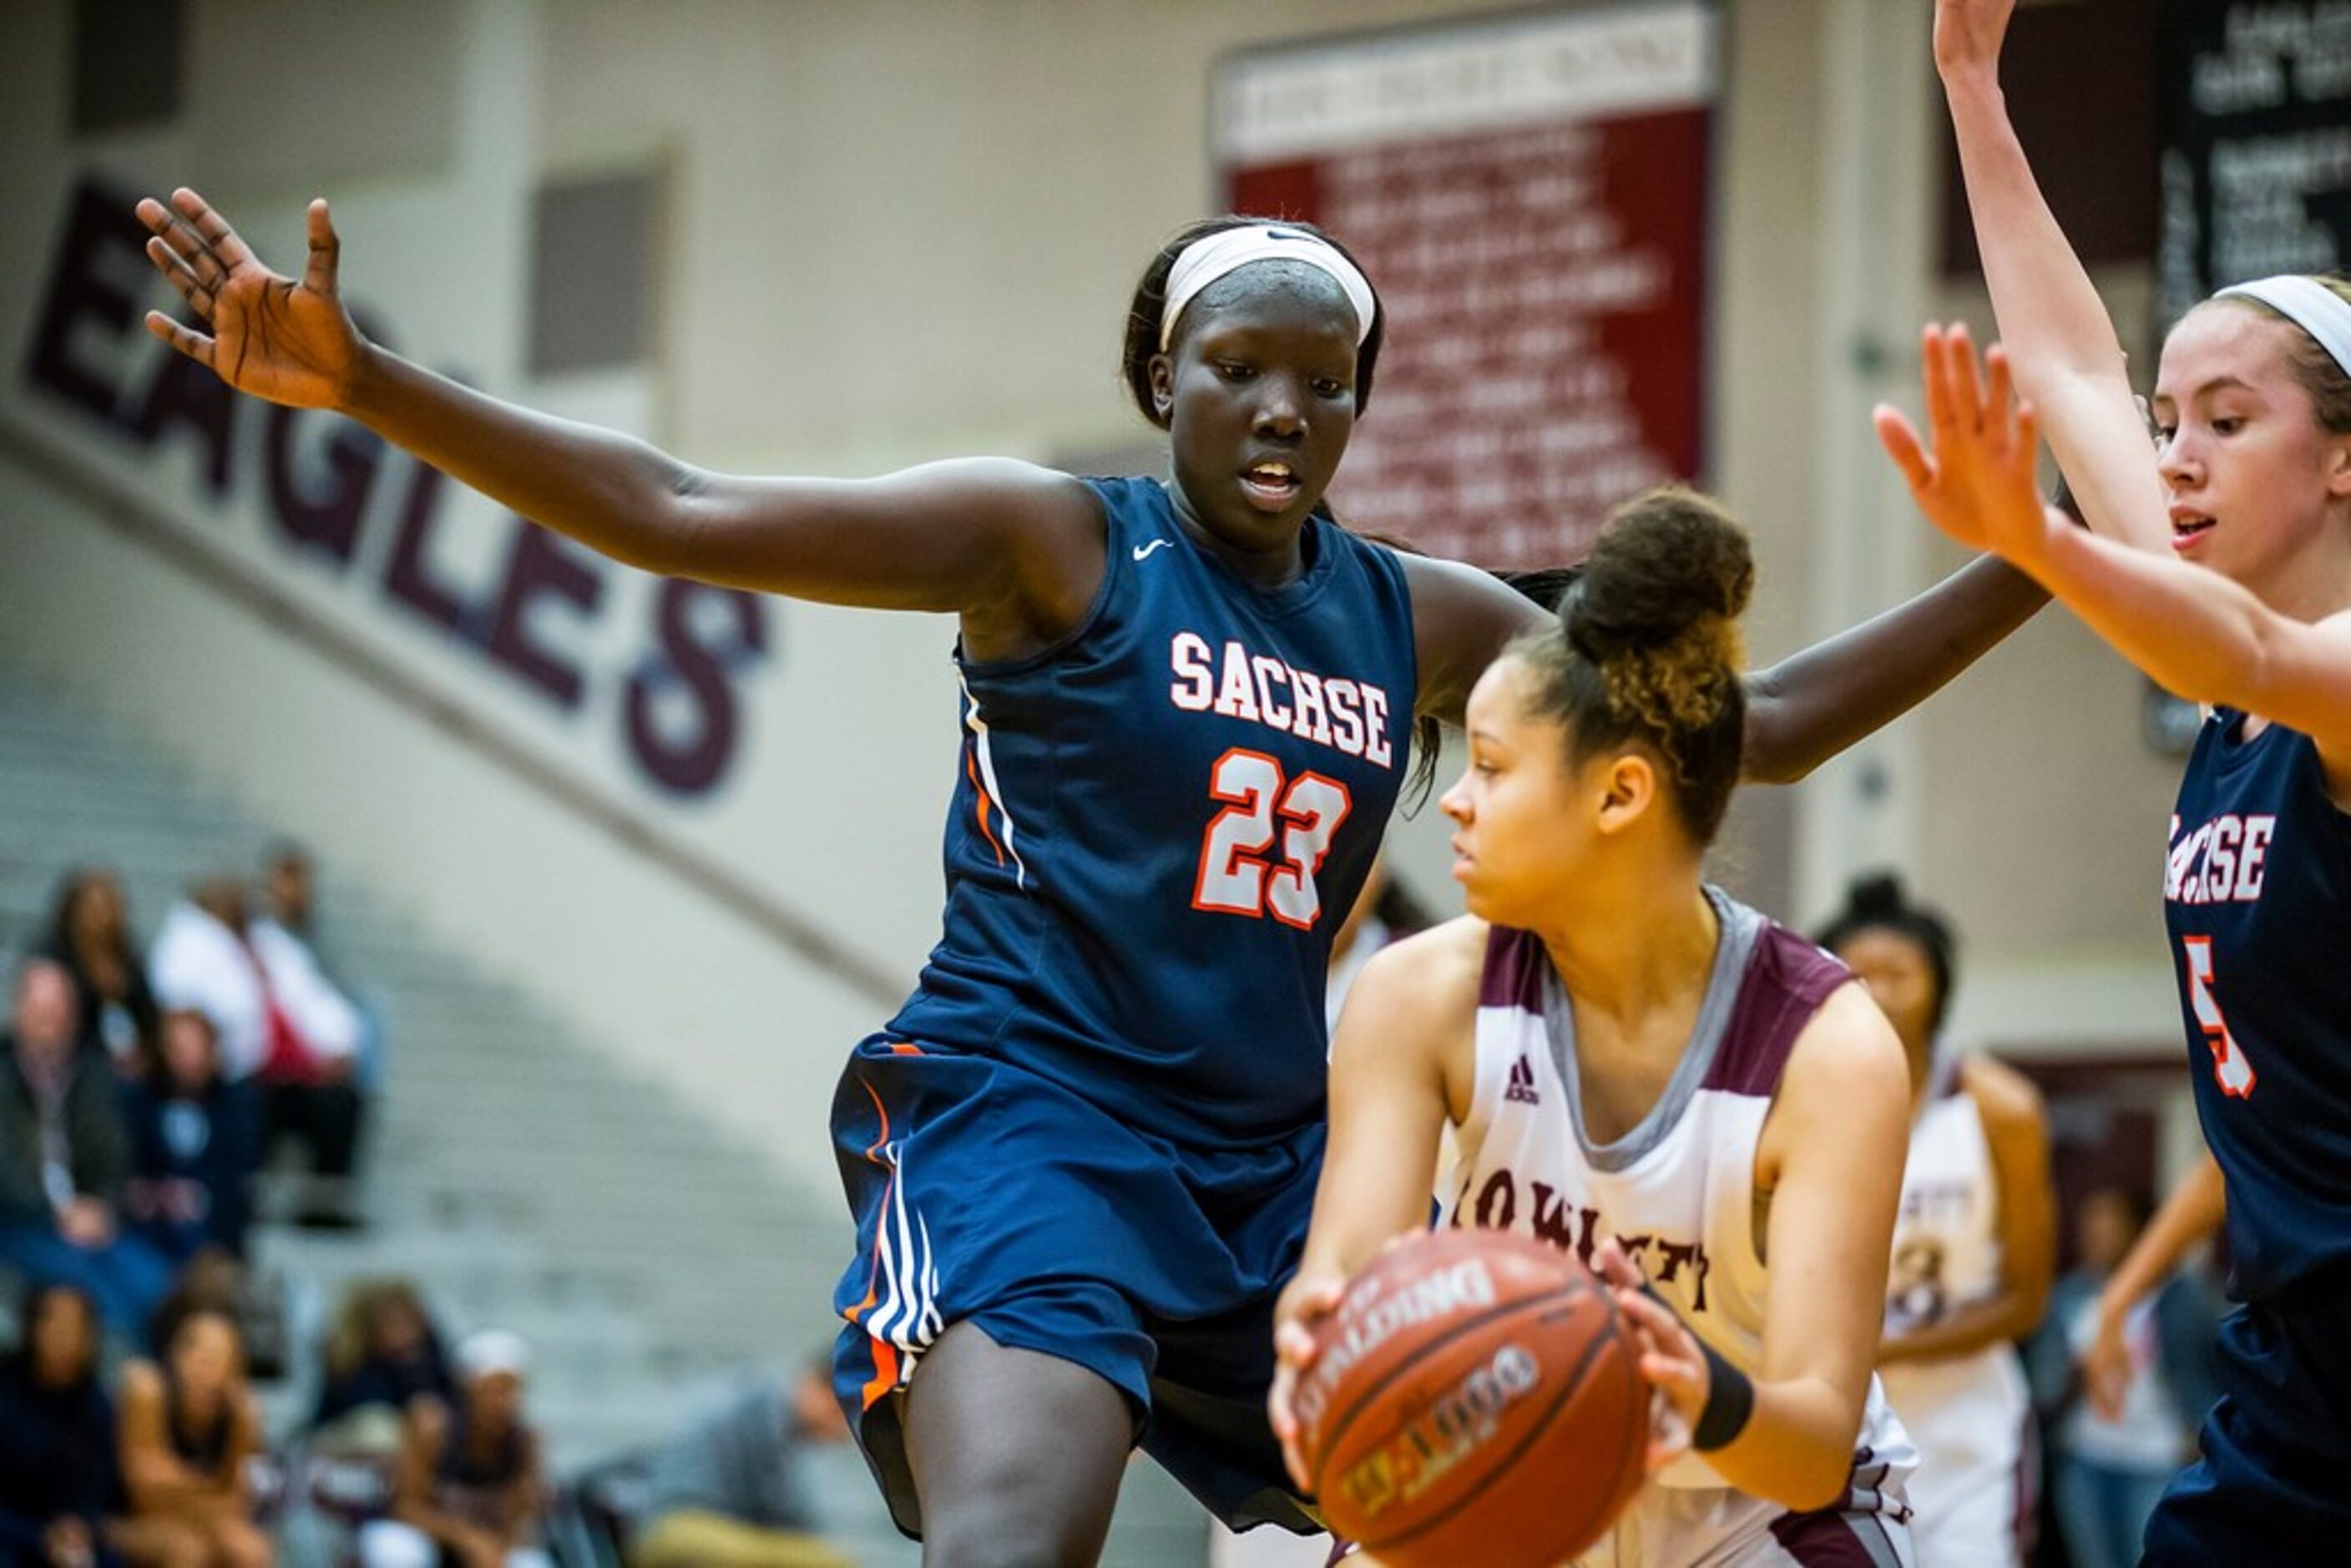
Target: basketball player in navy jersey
point(2221, 567)
point(1082, 1156)
point(1628, 1053)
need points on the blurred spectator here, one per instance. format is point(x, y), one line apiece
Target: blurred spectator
point(1975, 1242)
point(728, 1491)
point(382, 1356)
point(469, 1491)
point(64, 1158)
point(2107, 1474)
point(1382, 912)
point(189, 1426)
point(282, 1024)
point(59, 1486)
point(290, 883)
point(194, 1145)
point(90, 934)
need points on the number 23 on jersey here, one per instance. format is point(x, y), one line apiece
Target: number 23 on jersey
point(1242, 870)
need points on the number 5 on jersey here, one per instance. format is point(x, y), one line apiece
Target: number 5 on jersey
point(2230, 1069)
point(1237, 877)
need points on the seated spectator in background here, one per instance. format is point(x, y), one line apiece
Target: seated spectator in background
point(64, 1157)
point(469, 1491)
point(728, 1493)
point(194, 1145)
point(282, 1025)
point(59, 1488)
point(289, 887)
point(188, 1426)
point(90, 934)
point(2106, 1475)
point(382, 1356)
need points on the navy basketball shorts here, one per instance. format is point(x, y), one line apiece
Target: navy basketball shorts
point(986, 1194)
point(2269, 1486)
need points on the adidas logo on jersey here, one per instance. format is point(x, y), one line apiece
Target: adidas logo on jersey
point(1522, 1083)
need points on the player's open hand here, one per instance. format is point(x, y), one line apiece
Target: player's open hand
point(1669, 1357)
point(260, 332)
point(2107, 1369)
point(1976, 480)
point(1968, 34)
point(1296, 1317)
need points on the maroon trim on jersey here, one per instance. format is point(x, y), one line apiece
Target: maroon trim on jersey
point(1848, 1534)
point(1516, 962)
point(1786, 981)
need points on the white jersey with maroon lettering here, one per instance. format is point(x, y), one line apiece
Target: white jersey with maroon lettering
point(1677, 1192)
point(1967, 1415)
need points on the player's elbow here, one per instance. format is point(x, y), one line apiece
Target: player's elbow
point(1767, 752)
point(1823, 1480)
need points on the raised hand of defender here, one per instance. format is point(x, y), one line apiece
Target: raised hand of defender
point(1976, 482)
point(260, 332)
point(1967, 33)
point(1670, 1359)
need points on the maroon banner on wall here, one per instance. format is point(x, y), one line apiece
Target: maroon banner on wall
point(1529, 195)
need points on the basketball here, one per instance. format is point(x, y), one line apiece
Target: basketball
point(1475, 1398)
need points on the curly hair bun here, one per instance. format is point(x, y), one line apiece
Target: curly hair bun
point(1658, 604)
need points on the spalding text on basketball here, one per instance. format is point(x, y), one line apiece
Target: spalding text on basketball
point(1368, 1318)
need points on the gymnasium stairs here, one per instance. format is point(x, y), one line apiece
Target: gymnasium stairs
point(521, 1177)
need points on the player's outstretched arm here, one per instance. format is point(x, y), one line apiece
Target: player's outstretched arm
point(988, 534)
point(2194, 632)
point(2068, 361)
point(1813, 704)
point(1415, 1003)
point(2191, 1213)
point(1843, 1108)
point(2016, 1126)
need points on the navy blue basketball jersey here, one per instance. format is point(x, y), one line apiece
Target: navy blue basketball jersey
point(1160, 821)
point(2257, 893)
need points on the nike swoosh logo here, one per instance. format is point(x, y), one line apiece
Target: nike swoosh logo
point(1142, 550)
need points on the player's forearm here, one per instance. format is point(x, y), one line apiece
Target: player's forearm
point(2193, 1211)
point(1797, 1447)
point(1811, 705)
point(2050, 316)
point(162, 1483)
point(2007, 1317)
point(2193, 632)
point(617, 496)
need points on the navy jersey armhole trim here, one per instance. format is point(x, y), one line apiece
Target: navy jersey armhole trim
point(1095, 610)
point(1392, 560)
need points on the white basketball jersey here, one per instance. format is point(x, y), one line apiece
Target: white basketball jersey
point(1947, 1236)
point(1677, 1192)
point(1966, 1414)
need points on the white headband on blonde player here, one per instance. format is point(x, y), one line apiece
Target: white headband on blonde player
point(2309, 305)
point(1211, 256)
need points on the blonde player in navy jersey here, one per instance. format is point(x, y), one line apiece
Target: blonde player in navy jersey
point(2221, 567)
point(1643, 1071)
point(1081, 1156)
point(1974, 1244)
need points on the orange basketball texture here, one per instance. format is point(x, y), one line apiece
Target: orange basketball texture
point(1476, 1400)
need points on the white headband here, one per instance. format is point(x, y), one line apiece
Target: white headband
point(2309, 305)
point(1207, 259)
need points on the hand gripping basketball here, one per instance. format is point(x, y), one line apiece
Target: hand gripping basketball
point(1474, 1397)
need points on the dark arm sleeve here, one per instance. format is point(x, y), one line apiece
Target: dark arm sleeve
point(101, 1140)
